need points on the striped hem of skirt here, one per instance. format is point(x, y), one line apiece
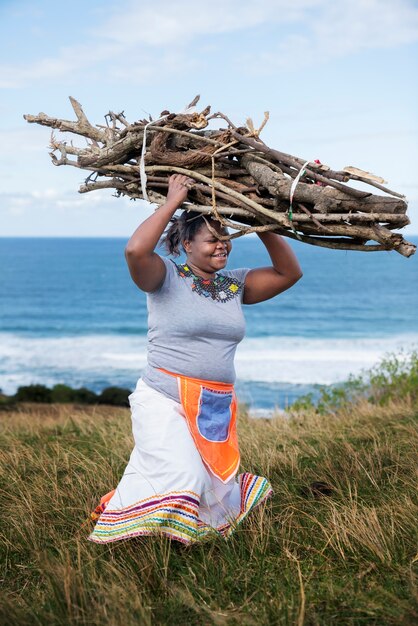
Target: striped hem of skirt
point(176, 515)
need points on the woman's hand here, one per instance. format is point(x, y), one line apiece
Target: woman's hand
point(178, 187)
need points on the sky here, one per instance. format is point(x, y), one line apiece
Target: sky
point(338, 79)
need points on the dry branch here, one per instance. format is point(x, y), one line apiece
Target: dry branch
point(238, 179)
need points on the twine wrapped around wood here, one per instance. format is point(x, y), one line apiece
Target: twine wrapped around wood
point(238, 179)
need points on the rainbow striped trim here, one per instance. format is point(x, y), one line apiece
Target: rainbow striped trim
point(176, 515)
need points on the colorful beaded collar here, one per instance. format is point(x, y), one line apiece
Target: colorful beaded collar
point(221, 288)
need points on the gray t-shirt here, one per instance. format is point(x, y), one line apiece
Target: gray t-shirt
point(191, 334)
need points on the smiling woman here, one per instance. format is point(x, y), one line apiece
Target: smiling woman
point(181, 477)
point(206, 253)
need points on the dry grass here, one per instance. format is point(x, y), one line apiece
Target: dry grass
point(302, 559)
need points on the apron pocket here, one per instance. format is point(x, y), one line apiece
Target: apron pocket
point(214, 414)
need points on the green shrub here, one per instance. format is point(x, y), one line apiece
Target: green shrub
point(394, 377)
point(33, 393)
point(84, 396)
point(115, 396)
point(6, 402)
point(62, 393)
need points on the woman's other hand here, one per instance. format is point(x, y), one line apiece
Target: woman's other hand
point(178, 187)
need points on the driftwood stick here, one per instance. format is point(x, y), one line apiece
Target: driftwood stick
point(325, 200)
point(312, 217)
point(205, 191)
point(64, 147)
point(303, 218)
point(120, 117)
point(183, 133)
point(281, 156)
point(377, 185)
point(81, 127)
point(380, 234)
point(118, 152)
point(242, 230)
point(252, 206)
point(400, 220)
point(394, 240)
point(336, 244)
point(112, 183)
point(230, 211)
point(63, 159)
point(222, 116)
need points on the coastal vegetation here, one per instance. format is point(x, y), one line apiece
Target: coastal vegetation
point(60, 393)
point(336, 544)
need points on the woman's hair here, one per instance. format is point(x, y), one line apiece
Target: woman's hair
point(183, 228)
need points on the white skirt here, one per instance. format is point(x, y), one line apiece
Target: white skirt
point(166, 488)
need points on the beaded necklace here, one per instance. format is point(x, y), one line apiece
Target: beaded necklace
point(221, 288)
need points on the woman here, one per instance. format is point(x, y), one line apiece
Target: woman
point(180, 479)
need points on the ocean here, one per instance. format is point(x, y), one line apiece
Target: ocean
point(70, 313)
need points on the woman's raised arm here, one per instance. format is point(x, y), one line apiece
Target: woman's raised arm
point(264, 283)
point(145, 266)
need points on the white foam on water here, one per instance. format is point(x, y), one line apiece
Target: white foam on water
point(300, 360)
point(27, 360)
point(293, 360)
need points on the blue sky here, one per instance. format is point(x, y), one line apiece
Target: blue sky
point(338, 78)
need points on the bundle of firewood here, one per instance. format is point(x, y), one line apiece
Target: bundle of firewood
point(238, 179)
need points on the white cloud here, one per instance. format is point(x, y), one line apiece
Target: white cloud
point(148, 65)
point(68, 61)
point(54, 212)
point(338, 29)
point(142, 42)
point(51, 201)
point(168, 23)
point(350, 27)
point(44, 194)
point(26, 138)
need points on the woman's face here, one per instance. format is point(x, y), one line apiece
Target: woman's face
point(206, 252)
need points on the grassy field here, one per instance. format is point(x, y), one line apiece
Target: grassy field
point(304, 558)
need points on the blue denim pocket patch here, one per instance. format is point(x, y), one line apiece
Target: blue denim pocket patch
point(214, 414)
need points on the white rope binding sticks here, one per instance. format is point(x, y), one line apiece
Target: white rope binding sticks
point(293, 187)
point(142, 172)
point(292, 193)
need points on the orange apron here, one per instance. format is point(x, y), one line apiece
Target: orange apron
point(211, 412)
